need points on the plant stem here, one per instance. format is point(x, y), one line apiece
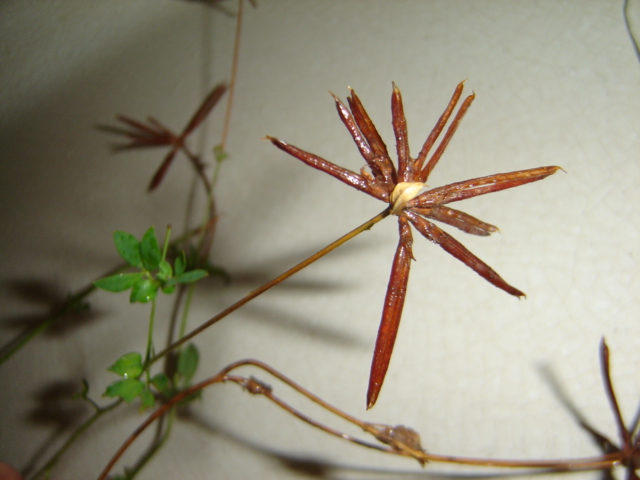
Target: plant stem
point(256, 387)
point(150, 339)
point(165, 247)
point(155, 446)
point(232, 81)
point(272, 283)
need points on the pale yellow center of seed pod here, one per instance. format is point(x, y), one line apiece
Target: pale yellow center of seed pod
point(404, 193)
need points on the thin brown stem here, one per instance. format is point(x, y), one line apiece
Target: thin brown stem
point(199, 168)
point(234, 71)
point(257, 387)
point(260, 290)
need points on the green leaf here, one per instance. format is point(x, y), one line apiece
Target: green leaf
point(160, 381)
point(166, 272)
point(128, 247)
point(127, 389)
point(119, 282)
point(169, 287)
point(144, 291)
point(192, 276)
point(150, 250)
point(180, 263)
point(148, 400)
point(128, 365)
point(188, 362)
point(220, 154)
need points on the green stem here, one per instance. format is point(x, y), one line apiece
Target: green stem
point(260, 290)
point(79, 431)
point(150, 339)
point(165, 247)
point(153, 448)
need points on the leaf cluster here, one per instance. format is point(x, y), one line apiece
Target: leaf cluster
point(154, 271)
point(131, 367)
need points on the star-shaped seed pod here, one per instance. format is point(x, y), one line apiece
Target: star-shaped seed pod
point(401, 188)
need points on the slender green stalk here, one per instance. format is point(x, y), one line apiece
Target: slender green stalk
point(150, 340)
point(165, 247)
point(153, 448)
point(260, 290)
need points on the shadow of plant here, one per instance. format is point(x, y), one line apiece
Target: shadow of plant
point(57, 408)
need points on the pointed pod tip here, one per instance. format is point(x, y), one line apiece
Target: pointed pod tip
point(372, 394)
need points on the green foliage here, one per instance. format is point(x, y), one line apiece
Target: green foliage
point(128, 365)
point(156, 273)
point(128, 247)
point(148, 400)
point(150, 250)
point(188, 363)
point(144, 291)
point(219, 154)
point(180, 263)
point(127, 389)
point(161, 382)
point(190, 277)
point(119, 282)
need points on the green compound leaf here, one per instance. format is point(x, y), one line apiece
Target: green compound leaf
point(150, 250)
point(161, 382)
point(219, 154)
point(192, 276)
point(180, 263)
point(148, 400)
point(119, 282)
point(127, 389)
point(128, 247)
point(166, 272)
point(128, 365)
point(188, 362)
point(144, 291)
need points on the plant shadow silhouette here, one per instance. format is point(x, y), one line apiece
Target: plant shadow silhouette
point(57, 409)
